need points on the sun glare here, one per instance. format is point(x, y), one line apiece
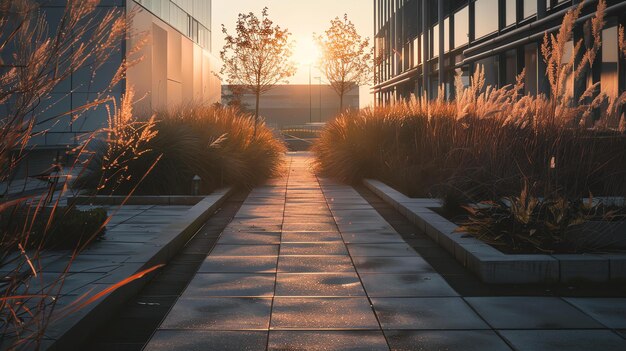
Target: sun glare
point(306, 52)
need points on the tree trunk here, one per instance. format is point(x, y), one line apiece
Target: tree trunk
point(256, 112)
point(341, 102)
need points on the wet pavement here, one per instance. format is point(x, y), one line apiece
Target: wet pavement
point(308, 264)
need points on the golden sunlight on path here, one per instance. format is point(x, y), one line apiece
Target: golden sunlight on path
point(308, 264)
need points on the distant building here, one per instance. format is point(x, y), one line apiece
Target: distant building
point(425, 43)
point(286, 105)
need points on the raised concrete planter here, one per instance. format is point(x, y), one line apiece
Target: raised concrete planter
point(180, 200)
point(69, 333)
point(492, 265)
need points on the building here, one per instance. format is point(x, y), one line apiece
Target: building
point(286, 105)
point(176, 68)
point(425, 43)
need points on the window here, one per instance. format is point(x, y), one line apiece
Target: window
point(446, 34)
point(510, 67)
point(530, 8)
point(416, 52)
point(490, 67)
point(610, 59)
point(530, 63)
point(435, 43)
point(485, 17)
point(461, 27)
point(510, 12)
point(567, 57)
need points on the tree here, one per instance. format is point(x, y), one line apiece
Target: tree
point(258, 57)
point(345, 58)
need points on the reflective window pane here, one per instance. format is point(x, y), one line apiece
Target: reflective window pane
point(485, 17)
point(510, 66)
point(610, 58)
point(510, 12)
point(435, 43)
point(446, 34)
point(530, 64)
point(530, 8)
point(490, 66)
point(461, 27)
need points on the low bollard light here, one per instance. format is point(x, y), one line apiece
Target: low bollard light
point(195, 185)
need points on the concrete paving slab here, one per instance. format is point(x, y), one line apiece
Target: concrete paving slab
point(202, 340)
point(406, 285)
point(445, 340)
point(611, 312)
point(228, 313)
point(323, 313)
point(570, 340)
point(531, 313)
point(318, 284)
point(231, 284)
point(327, 340)
point(426, 313)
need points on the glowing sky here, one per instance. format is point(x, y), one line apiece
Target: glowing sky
point(302, 18)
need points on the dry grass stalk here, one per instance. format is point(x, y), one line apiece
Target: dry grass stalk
point(486, 143)
point(35, 60)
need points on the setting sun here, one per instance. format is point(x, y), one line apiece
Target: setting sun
point(305, 52)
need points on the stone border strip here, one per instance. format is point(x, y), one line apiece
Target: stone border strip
point(70, 333)
point(493, 266)
point(178, 200)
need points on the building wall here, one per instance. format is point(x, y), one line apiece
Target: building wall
point(174, 70)
point(82, 86)
point(286, 105)
point(504, 36)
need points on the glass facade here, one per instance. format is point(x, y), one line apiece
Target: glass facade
point(485, 22)
point(530, 63)
point(510, 12)
point(490, 67)
point(190, 17)
point(492, 33)
point(461, 27)
point(530, 8)
point(510, 67)
point(609, 83)
point(435, 42)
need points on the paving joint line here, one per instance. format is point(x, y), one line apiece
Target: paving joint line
point(353, 264)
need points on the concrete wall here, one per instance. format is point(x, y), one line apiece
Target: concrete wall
point(174, 70)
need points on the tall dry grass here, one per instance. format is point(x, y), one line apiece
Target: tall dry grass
point(218, 144)
point(490, 141)
point(35, 60)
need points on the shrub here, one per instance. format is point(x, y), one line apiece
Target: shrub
point(67, 229)
point(524, 223)
point(489, 142)
point(217, 144)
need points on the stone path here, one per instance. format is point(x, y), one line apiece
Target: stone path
point(307, 264)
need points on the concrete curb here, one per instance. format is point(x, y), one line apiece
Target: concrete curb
point(493, 266)
point(69, 334)
point(181, 200)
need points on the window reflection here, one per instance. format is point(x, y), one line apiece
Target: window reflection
point(461, 26)
point(530, 8)
point(530, 63)
point(610, 58)
point(510, 12)
point(510, 66)
point(490, 66)
point(485, 17)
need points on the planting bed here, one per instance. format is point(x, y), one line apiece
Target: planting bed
point(492, 265)
point(140, 237)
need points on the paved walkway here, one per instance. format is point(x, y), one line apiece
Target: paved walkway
point(307, 264)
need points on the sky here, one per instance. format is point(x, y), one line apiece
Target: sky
point(302, 18)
